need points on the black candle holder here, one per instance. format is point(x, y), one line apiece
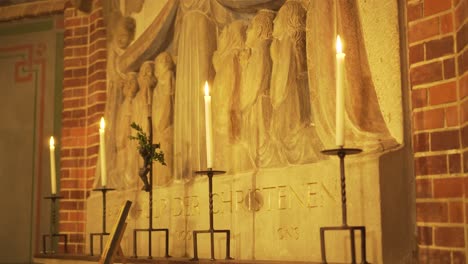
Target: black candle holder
point(211, 230)
point(53, 232)
point(101, 235)
point(149, 188)
point(341, 153)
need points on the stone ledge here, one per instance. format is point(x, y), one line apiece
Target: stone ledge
point(83, 259)
point(34, 9)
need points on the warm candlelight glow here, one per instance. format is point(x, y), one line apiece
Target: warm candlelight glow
point(52, 142)
point(103, 123)
point(207, 89)
point(339, 45)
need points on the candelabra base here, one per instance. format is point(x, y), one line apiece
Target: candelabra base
point(211, 230)
point(51, 236)
point(135, 232)
point(91, 241)
point(351, 230)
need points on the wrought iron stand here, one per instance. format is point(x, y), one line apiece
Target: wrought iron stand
point(150, 228)
point(53, 234)
point(101, 235)
point(341, 153)
point(211, 231)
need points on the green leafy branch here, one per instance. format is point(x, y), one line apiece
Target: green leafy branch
point(148, 150)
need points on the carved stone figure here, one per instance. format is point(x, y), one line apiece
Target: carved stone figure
point(163, 115)
point(289, 87)
point(255, 103)
point(196, 43)
point(146, 82)
point(127, 154)
point(226, 88)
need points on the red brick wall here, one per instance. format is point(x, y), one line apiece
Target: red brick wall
point(438, 59)
point(84, 96)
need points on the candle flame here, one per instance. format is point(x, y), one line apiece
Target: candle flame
point(51, 142)
point(339, 46)
point(207, 89)
point(103, 123)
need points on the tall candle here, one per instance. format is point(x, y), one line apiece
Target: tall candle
point(208, 128)
point(102, 152)
point(340, 102)
point(53, 177)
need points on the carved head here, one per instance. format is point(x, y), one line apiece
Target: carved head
point(124, 32)
point(146, 79)
point(130, 87)
point(163, 63)
point(260, 28)
point(291, 20)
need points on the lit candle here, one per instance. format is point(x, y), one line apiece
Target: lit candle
point(53, 179)
point(208, 128)
point(102, 152)
point(340, 105)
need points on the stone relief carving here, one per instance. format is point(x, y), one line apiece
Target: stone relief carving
point(124, 31)
point(265, 104)
point(225, 94)
point(163, 115)
point(291, 115)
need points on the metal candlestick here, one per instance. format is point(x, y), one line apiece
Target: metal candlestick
point(341, 153)
point(101, 235)
point(53, 233)
point(150, 228)
point(211, 230)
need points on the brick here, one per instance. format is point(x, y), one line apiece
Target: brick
point(462, 37)
point(421, 142)
point(429, 119)
point(456, 212)
point(443, 93)
point(451, 116)
point(465, 166)
point(416, 53)
point(446, 23)
point(448, 188)
point(449, 68)
point(449, 236)
point(430, 165)
point(77, 194)
point(426, 73)
point(414, 11)
point(419, 98)
point(431, 212)
point(434, 256)
point(461, 12)
point(464, 136)
point(454, 163)
point(424, 235)
point(420, 30)
point(463, 84)
point(462, 62)
point(424, 188)
point(459, 257)
point(464, 112)
point(432, 7)
point(445, 140)
point(439, 47)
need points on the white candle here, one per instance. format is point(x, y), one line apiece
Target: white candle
point(102, 152)
point(53, 179)
point(208, 128)
point(340, 102)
